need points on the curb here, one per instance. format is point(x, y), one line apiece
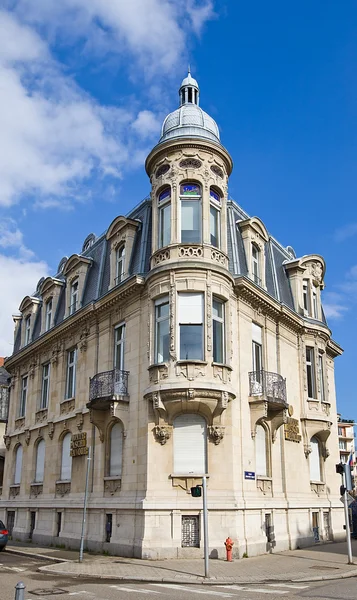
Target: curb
point(198, 581)
point(54, 559)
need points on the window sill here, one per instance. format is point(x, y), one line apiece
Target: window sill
point(67, 399)
point(187, 475)
point(187, 361)
point(158, 365)
point(224, 365)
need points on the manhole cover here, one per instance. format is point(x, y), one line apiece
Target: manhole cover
point(323, 568)
point(48, 592)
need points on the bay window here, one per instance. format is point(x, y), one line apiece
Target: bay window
point(310, 372)
point(164, 206)
point(215, 219)
point(190, 445)
point(162, 330)
point(190, 324)
point(322, 377)
point(191, 213)
point(257, 354)
point(218, 331)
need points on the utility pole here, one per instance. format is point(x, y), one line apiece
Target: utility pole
point(345, 472)
point(205, 524)
point(85, 506)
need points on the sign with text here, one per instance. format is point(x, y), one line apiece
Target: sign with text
point(291, 430)
point(79, 444)
point(249, 475)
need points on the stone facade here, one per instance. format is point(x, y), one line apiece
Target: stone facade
point(249, 387)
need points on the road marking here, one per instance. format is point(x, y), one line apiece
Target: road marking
point(137, 591)
point(193, 589)
point(250, 589)
point(287, 585)
point(80, 592)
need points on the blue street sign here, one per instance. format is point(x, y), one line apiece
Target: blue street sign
point(249, 475)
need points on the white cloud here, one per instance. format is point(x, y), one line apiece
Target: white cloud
point(333, 305)
point(346, 232)
point(11, 237)
point(146, 124)
point(19, 277)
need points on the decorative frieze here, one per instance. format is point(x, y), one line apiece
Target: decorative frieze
point(19, 423)
point(14, 490)
point(190, 252)
point(63, 488)
point(112, 485)
point(41, 415)
point(161, 256)
point(265, 485)
point(67, 406)
point(50, 429)
point(36, 489)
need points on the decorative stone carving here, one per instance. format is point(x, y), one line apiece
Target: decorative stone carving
point(217, 171)
point(63, 488)
point(41, 415)
point(265, 485)
point(162, 170)
point(14, 491)
point(161, 256)
point(190, 163)
point(158, 373)
point(162, 434)
point(190, 252)
point(325, 452)
point(219, 257)
point(19, 423)
point(36, 489)
point(111, 486)
point(316, 271)
point(83, 338)
point(222, 372)
point(50, 429)
point(190, 370)
point(7, 441)
point(216, 433)
point(318, 488)
point(307, 450)
point(186, 483)
point(67, 406)
point(191, 394)
point(27, 436)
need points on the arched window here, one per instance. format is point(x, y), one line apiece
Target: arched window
point(18, 465)
point(164, 207)
point(261, 452)
point(116, 450)
point(66, 462)
point(119, 264)
point(191, 213)
point(190, 454)
point(315, 460)
point(40, 461)
point(215, 218)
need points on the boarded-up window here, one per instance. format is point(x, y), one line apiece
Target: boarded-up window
point(190, 445)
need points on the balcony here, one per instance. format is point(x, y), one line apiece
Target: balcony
point(267, 386)
point(106, 387)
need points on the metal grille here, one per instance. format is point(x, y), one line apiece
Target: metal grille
point(109, 383)
point(270, 385)
point(190, 532)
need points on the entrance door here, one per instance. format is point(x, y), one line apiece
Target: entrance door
point(327, 528)
point(10, 521)
point(190, 532)
point(32, 523)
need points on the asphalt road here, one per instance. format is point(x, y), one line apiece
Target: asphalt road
point(40, 586)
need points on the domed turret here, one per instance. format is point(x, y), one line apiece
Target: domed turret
point(189, 120)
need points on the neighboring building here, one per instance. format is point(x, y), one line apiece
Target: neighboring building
point(207, 350)
point(4, 407)
point(346, 442)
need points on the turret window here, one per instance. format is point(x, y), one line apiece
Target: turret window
point(215, 218)
point(322, 377)
point(306, 296)
point(218, 331)
point(191, 214)
point(164, 218)
point(190, 320)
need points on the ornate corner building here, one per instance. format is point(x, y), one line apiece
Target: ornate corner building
point(185, 340)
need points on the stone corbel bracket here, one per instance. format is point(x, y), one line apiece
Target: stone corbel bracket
point(260, 410)
point(318, 428)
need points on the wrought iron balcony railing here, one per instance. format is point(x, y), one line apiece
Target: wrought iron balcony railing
point(271, 386)
point(108, 384)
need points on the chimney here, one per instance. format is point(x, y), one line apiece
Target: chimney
point(1, 361)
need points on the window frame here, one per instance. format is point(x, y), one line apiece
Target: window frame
point(266, 450)
point(119, 346)
point(71, 365)
point(321, 370)
point(110, 467)
point(23, 395)
point(188, 324)
point(255, 262)
point(119, 264)
point(197, 200)
point(315, 443)
point(48, 315)
point(67, 436)
point(37, 479)
point(45, 385)
point(163, 301)
point(215, 204)
point(164, 203)
point(178, 460)
point(27, 330)
point(311, 372)
point(222, 323)
point(17, 468)
point(74, 296)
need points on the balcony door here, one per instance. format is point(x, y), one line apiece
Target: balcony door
point(119, 349)
point(257, 359)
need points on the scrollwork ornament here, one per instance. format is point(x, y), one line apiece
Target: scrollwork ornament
point(51, 430)
point(27, 436)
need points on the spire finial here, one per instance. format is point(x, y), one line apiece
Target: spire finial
point(189, 69)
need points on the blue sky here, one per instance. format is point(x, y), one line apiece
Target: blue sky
point(85, 85)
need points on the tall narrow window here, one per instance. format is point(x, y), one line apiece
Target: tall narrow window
point(27, 330)
point(218, 331)
point(164, 206)
point(310, 372)
point(306, 296)
point(321, 377)
point(48, 320)
point(190, 444)
point(74, 298)
point(71, 373)
point(45, 385)
point(18, 465)
point(190, 319)
point(191, 214)
point(66, 458)
point(261, 454)
point(257, 358)
point(215, 219)
point(314, 304)
point(162, 330)
point(255, 265)
point(40, 461)
point(116, 450)
point(315, 460)
point(23, 396)
point(119, 346)
point(120, 261)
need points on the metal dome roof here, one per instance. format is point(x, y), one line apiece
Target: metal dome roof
point(189, 121)
point(189, 80)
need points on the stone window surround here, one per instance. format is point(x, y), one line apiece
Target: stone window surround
point(254, 234)
point(121, 232)
point(50, 290)
point(319, 350)
point(76, 268)
point(28, 308)
point(110, 426)
point(268, 445)
point(312, 269)
point(209, 290)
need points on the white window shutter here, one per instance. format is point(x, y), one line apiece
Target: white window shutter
point(116, 450)
point(40, 461)
point(66, 465)
point(260, 451)
point(315, 465)
point(190, 444)
point(256, 333)
point(190, 308)
point(18, 465)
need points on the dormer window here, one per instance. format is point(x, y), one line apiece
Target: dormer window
point(314, 304)
point(255, 265)
point(119, 264)
point(73, 297)
point(306, 296)
point(191, 213)
point(164, 206)
point(27, 330)
point(48, 322)
point(215, 219)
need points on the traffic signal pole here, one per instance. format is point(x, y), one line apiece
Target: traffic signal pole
point(205, 523)
point(347, 520)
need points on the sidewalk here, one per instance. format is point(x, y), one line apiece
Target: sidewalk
point(317, 563)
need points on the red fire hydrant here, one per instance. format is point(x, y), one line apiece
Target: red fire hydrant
point(229, 545)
